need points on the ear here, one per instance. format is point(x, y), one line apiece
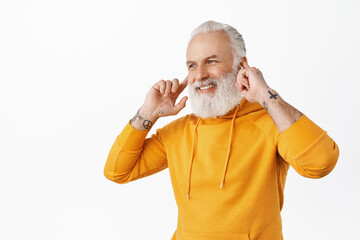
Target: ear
point(243, 59)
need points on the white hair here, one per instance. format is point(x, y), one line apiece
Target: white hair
point(236, 40)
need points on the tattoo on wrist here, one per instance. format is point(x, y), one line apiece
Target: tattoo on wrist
point(272, 95)
point(147, 124)
point(137, 115)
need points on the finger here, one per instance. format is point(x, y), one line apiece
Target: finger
point(175, 85)
point(160, 85)
point(244, 92)
point(156, 86)
point(168, 87)
point(183, 85)
point(240, 86)
point(245, 65)
point(244, 81)
point(243, 73)
point(180, 105)
point(242, 89)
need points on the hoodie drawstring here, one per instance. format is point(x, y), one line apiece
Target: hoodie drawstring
point(227, 156)
point(229, 146)
point(192, 157)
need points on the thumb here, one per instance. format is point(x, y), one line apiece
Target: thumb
point(183, 85)
point(178, 107)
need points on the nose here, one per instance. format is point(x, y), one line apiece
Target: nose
point(199, 74)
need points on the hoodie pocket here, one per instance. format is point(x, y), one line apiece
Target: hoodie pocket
point(213, 236)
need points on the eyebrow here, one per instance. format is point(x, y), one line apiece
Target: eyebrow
point(212, 56)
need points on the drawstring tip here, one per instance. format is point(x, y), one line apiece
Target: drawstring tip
point(188, 196)
point(221, 184)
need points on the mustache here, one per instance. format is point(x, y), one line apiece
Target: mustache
point(215, 81)
point(207, 81)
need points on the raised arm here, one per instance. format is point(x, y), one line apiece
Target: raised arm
point(132, 156)
point(251, 83)
point(301, 143)
point(160, 102)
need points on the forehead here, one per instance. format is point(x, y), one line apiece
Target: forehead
point(208, 44)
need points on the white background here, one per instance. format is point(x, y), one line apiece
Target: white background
point(74, 72)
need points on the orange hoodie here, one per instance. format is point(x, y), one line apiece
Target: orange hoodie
point(228, 174)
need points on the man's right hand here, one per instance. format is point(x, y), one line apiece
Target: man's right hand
point(160, 102)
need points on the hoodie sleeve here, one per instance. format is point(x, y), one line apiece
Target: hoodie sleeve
point(132, 156)
point(308, 149)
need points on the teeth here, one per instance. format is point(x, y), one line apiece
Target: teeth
point(207, 87)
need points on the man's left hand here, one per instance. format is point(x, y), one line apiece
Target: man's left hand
point(250, 82)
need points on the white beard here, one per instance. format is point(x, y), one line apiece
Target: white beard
point(212, 105)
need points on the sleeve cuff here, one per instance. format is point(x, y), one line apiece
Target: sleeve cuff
point(131, 138)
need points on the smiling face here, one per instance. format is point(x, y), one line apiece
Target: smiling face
point(211, 76)
point(209, 55)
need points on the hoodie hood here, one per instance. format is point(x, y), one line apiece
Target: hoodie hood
point(243, 108)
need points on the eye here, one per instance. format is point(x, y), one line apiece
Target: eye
point(191, 66)
point(211, 61)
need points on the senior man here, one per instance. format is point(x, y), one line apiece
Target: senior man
point(228, 160)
